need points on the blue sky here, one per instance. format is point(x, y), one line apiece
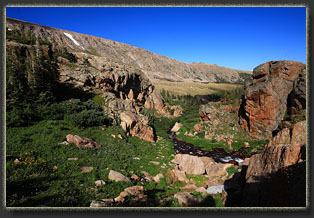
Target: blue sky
point(238, 37)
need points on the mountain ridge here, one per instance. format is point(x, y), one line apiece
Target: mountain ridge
point(153, 65)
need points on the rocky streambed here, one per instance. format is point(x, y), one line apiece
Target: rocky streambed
point(218, 154)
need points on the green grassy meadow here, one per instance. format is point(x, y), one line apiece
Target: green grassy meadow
point(40, 173)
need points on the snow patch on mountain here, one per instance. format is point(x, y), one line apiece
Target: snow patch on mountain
point(71, 37)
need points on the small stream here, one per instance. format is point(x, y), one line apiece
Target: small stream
point(218, 154)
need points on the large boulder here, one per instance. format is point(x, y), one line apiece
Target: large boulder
point(190, 164)
point(265, 101)
point(82, 142)
point(118, 177)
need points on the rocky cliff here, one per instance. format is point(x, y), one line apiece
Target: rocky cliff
point(278, 87)
point(152, 65)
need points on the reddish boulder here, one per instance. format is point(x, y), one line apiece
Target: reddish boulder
point(82, 142)
point(265, 101)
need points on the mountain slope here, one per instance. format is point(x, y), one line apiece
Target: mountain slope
point(153, 65)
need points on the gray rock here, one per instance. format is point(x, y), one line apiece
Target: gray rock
point(118, 177)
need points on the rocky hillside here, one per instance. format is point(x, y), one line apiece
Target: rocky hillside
point(153, 65)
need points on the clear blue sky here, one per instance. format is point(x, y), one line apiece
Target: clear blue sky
point(239, 38)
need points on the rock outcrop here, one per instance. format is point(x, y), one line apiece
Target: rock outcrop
point(276, 84)
point(125, 86)
point(276, 177)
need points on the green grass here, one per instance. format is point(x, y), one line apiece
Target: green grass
point(199, 180)
point(71, 66)
point(45, 176)
point(91, 52)
point(44, 171)
point(231, 170)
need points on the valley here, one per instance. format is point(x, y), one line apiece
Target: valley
point(95, 123)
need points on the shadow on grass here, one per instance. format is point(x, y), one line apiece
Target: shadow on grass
point(35, 193)
point(66, 91)
point(27, 189)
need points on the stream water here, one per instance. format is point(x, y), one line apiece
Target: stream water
point(218, 154)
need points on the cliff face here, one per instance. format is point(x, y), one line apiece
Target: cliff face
point(277, 86)
point(152, 65)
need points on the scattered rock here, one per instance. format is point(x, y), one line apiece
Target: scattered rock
point(86, 169)
point(158, 177)
point(155, 162)
point(134, 190)
point(187, 199)
point(246, 144)
point(118, 177)
point(135, 177)
point(137, 191)
point(82, 142)
point(102, 203)
point(148, 177)
point(176, 127)
point(64, 143)
point(100, 182)
point(215, 189)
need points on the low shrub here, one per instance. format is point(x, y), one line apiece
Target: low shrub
point(79, 113)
